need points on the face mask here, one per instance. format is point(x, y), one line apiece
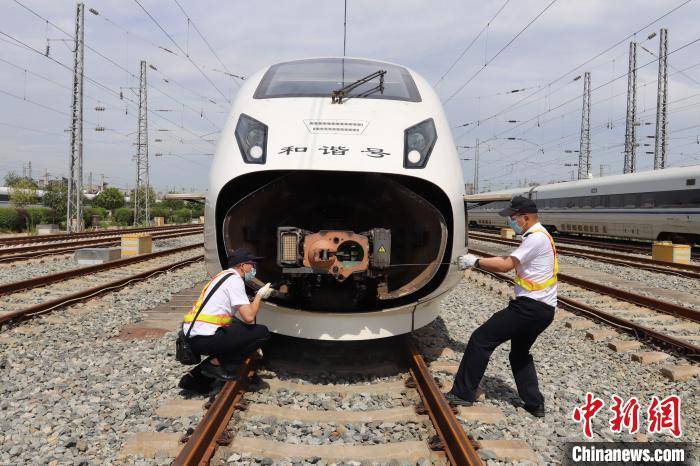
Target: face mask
point(249, 275)
point(514, 225)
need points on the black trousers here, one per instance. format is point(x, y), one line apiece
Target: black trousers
point(521, 323)
point(232, 343)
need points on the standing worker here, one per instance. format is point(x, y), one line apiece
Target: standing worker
point(525, 317)
point(225, 328)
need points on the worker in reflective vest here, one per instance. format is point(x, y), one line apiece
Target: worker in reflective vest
point(225, 328)
point(525, 317)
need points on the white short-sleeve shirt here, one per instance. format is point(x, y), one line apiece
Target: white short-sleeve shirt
point(225, 301)
point(536, 258)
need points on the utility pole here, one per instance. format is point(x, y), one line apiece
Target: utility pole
point(584, 155)
point(476, 167)
point(630, 165)
point(142, 212)
point(74, 206)
point(661, 145)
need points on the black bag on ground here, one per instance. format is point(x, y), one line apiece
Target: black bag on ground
point(183, 349)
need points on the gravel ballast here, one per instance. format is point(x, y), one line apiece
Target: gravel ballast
point(24, 270)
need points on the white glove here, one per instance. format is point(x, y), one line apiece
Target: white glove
point(265, 291)
point(466, 261)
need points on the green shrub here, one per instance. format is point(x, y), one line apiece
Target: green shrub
point(181, 216)
point(160, 212)
point(10, 219)
point(124, 216)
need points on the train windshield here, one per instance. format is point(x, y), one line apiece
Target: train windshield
point(320, 77)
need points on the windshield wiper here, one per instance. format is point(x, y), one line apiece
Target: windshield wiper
point(342, 93)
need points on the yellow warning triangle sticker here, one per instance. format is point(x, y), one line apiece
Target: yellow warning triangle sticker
point(381, 249)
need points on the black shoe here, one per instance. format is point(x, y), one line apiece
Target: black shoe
point(255, 380)
point(195, 383)
point(454, 400)
point(535, 410)
point(219, 373)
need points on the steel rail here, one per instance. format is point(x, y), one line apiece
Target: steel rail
point(686, 270)
point(645, 301)
point(82, 242)
point(201, 445)
point(51, 279)
point(47, 306)
point(458, 447)
point(639, 331)
point(87, 234)
point(98, 243)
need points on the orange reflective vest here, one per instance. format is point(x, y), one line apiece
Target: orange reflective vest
point(214, 319)
point(531, 285)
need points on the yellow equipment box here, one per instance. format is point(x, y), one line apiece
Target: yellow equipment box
point(668, 252)
point(507, 233)
point(201, 219)
point(158, 221)
point(134, 244)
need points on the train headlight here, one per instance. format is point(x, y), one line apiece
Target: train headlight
point(418, 143)
point(251, 136)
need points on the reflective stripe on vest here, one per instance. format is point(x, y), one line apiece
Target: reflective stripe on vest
point(214, 319)
point(531, 285)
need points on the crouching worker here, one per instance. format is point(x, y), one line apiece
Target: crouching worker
point(225, 329)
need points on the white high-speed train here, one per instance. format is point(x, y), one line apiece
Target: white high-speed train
point(653, 205)
point(343, 174)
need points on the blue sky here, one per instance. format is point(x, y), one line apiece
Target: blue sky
point(189, 109)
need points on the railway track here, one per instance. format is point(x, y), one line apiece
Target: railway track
point(664, 323)
point(13, 240)
point(684, 270)
point(221, 431)
point(612, 244)
point(17, 253)
point(60, 289)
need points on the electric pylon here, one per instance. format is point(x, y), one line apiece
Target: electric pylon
point(661, 146)
point(142, 207)
point(631, 122)
point(74, 204)
point(584, 156)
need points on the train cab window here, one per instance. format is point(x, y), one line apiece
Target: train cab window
point(319, 77)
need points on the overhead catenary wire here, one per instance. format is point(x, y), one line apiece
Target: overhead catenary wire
point(473, 76)
point(497, 135)
point(87, 78)
point(155, 21)
point(204, 39)
point(461, 55)
point(584, 63)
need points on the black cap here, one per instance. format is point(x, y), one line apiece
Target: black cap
point(240, 256)
point(519, 205)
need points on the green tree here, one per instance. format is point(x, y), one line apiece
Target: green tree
point(12, 180)
point(23, 193)
point(55, 197)
point(142, 197)
point(110, 199)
